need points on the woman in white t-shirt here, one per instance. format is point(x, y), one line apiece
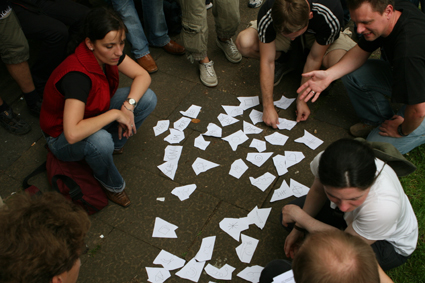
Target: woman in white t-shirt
point(351, 183)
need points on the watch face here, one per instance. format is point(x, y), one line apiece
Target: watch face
point(132, 101)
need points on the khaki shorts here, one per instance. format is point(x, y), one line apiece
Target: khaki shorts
point(13, 44)
point(344, 41)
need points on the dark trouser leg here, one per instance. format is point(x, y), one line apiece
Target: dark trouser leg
point(387, 257)
point(273, 269)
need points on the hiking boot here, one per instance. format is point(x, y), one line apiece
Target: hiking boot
point(12, 123)
point(207, 74)
point(280, 70)
point(254, 3)
point(361, 129)
point(229, 48)
point(119, 198)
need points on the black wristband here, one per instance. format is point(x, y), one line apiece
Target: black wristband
point(400, 130)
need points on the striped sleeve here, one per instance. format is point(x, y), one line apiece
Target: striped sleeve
point(266, 31)
point(331, 21)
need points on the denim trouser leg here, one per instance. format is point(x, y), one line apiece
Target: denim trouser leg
point(154, 22)
point(136, 35)
point(144, 107)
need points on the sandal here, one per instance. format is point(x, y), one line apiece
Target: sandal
point(12, 123)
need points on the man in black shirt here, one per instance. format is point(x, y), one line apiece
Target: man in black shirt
point(398, 29)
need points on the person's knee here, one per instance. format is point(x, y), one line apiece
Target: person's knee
point(246, 42)
point(101, 143)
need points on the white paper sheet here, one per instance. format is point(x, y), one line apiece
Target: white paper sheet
point(251, 273)
point(287, 277)
point(285, 124)
point(223, 273)
point(161, 127)
point(248, 101)
point(201, 143)
point(184, 192)
point(236, 139)
point(263, 182)
point(246, 249)
point(173, 153)
point(258, 144)
point(282, 193)
point(168, 260)
point(258, 216)
point(192, 111)
point(258, 159)
point(280, 164)
point(250, 129)
point(233, 110)
point(206, 250)
point(192, 270)
point(309, 140)
point(202, 165)
point(213, 130)
point(157, 274)
point(298, 189)
point(234, 226)
point(293, 157)
point(256, 116)
point(276, 139)
point(164, 229)
point(237, 168)
point(182, 123)
point(175, 136)
point(284, 102)
point(226, 120)
point(169, 168)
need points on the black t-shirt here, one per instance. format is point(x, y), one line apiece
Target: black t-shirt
point(4, 8)
point(404, 48)
point(77, 85)
point(325, 24)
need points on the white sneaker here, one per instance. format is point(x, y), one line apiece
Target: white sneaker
point(207, 74)
point(209, 6)
point(255, 3)
point(230, 50)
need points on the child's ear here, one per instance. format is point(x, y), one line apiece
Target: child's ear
point(310, 15)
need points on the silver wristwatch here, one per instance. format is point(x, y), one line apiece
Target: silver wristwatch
point(132, 102)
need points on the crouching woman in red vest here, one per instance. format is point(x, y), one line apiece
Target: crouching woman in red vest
point(84, 115)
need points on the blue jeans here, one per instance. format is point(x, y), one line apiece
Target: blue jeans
point(369, 88)
point(153, 22)
point(97, 148)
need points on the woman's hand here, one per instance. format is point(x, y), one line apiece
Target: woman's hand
point(126, 126)
point(293, 243)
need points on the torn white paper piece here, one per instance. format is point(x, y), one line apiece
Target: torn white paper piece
point(224, 273)
point(246, 250)
point(263, 182)
point(175, 136)
point(298, 189)
point(168, 260)
point(258, 216)
point(173, 152)
point(250, 129)
point(161, 127)
point(259, 158)
point(237, 168)
point(276, 139)
point(201, 143)
point(234, 226)
point(213, 130)
point(248, 101)
point(256, 116)
point(251, 273)
point(169, 168)
point(182, 123)
point(233, 110)
point(283, 102)
point(282, 193)
point(192, 111)
point(157, 274)
point(309, 140)
point(236, 139)
point(206, 250)
point(202, 165)
point(226, 120)
point(184, 192)
point(287, 277)
point(192, 270)
point(285, 124)
point(293, 157)
point(160, 199)
point(258, 144)
point(164, 229)
point(280, 164)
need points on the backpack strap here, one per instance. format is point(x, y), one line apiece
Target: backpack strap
point(37, 171)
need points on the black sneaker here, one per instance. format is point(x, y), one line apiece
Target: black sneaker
point(11, 122)
point(281, 69)
point(35, 108)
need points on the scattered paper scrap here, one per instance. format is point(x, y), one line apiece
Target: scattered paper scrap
point(201, 143)
point(168, 260)
point(293, 157)
point(282, 193)
point(251, 273)
point(236, 139)
point(157, 274)
point(280, 164)
point(258, 216)
point(175, 136)
point(169, 168)
point(276, 139)
point(173, 152)
point(182, 123)
point(263, 182)
point(192, 270)
point(298, 189)
point(285, 124)
point(161, 127)
point(184, 192)
point(256, 116)
point(309, 140)
point(233, 110)
point(234, 226)
point(164, 229)
point(246, 249)
point(160, 199)
point(287, 277)
point(258, 159)
point(224, 273)
point(192, 111)
point(248, 101)
point(284, 102)
point(213, 130)
point(101, 236)
point(202, 165)
point(249, 128)
point(258, 144)
point(237, 168)
point(206, 250)
point(226, 120)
